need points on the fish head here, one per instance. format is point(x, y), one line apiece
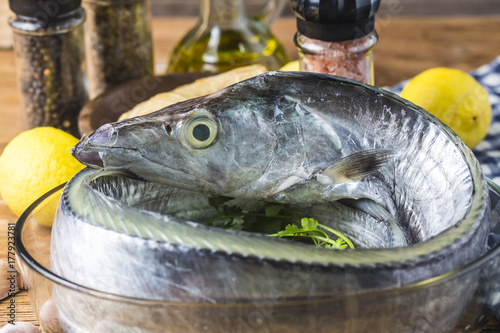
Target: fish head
point(213, 144)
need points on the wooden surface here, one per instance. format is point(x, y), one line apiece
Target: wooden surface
point(406, 47)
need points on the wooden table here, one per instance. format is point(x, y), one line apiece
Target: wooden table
point(406, 47)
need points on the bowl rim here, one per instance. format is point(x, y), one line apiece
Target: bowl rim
point(26, 258)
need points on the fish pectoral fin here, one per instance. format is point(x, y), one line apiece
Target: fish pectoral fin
point(357, 166)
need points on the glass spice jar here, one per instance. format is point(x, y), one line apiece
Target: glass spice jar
point(118, 42)
point(352, 59)
point(50, 61)
point(337, 37)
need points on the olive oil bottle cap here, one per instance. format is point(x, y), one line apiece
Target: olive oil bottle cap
point(335, 20)
point(43, 8)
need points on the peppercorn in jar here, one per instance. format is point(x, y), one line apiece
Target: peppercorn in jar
point(118, 42)
point(50, 59)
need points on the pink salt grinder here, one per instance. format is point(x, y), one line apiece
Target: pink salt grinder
point(337, 37)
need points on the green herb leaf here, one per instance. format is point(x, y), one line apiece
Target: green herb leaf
point(268, 220)
point(309, 224)
point(291, 230)
point(310, 228)
point(273, 210)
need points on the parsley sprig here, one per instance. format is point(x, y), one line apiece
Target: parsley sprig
point(274, 220)
point(310, 228)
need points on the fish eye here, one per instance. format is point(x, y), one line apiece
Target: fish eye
point(201, 132)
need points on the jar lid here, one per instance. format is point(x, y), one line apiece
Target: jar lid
point(43, 8)
point(335, 20)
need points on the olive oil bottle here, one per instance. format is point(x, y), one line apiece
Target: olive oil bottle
point(224, 38)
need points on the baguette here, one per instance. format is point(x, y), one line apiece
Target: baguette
point(200, 87)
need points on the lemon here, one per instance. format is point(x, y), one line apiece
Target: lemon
point(33, 163)
point(454, 97)
point(45, 212)
point(292, 66)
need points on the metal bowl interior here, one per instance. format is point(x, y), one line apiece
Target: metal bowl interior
point(429, 305)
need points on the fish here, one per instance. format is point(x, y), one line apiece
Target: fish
point(405, 189)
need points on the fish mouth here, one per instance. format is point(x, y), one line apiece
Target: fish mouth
point(92, 155)
point(90, 158)
point(95, 157)
point(91, 150)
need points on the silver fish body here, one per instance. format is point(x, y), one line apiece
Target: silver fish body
point(360, 158)
point(220, 279)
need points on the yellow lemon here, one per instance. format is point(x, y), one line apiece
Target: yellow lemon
point(454, 97)
point(292, 66)
point(33, 163)
point(45, 212)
